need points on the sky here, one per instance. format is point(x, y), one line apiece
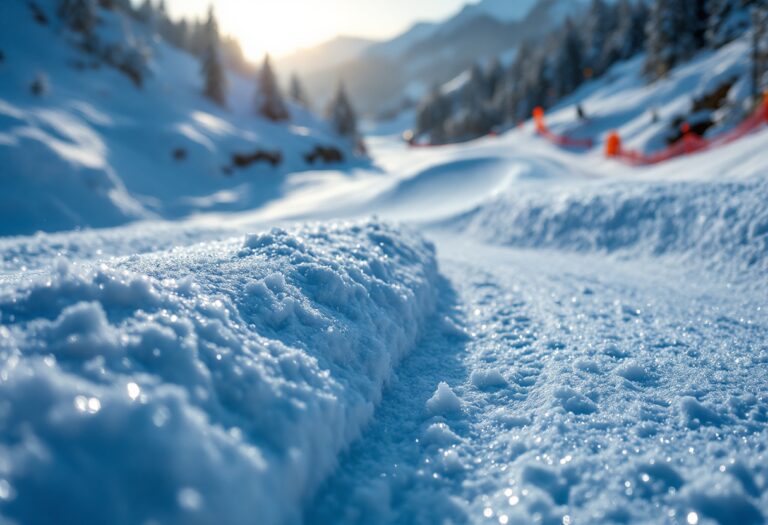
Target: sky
point(282, 26)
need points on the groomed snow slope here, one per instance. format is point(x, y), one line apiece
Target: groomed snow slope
point(211, 384)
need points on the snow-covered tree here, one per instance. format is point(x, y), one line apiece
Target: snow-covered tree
point(269, 100)
point(79, 15)
point(213, 72)
point(342, 115)
point(297, 93)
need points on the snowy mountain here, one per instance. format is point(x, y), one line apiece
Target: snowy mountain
point(504, 9)
point(430, 53)
point(398, 45)
point(327, 55)
point(100, 146)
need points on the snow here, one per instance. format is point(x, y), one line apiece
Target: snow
point(444, 401)
point(400, 44)
point(98, 151)
point(504, 10)
point(226, 376)
point(521, 334)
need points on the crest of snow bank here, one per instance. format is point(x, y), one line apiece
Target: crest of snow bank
point(724, 224)
point(213, 384)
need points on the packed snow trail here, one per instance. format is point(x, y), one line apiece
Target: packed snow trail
point(587, 392)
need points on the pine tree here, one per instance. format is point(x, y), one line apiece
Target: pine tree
point(178, 34)
point(79, 15)
point(146, 12)
point(628, 38)
point(197, 39)
point(342, 115)
point(123, 5)
point(269, 101)
point(495, 78)
point(163, 23)
point(569, 66)
point(759, 38)
point(514, 85)
point(432, 116)
point(213, 71)
point(477, 89)
point(297, 93)
point(728, 19)
point(600, 23)
point(676, 30)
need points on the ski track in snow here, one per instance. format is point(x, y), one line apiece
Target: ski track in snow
point(586, 397)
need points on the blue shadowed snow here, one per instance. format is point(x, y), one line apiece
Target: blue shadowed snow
point(212, 385)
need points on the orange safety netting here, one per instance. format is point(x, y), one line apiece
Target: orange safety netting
point(690, 142)
point(560, 140)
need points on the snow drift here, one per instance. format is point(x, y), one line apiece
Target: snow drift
point(723, 224)
point(214, 383)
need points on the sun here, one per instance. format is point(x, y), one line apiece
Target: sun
point(277, 27)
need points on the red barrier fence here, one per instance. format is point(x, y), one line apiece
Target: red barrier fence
point(690, 142)
point(559, 140)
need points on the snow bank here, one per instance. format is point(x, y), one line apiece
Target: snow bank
point(724, 224)
point(211, 384)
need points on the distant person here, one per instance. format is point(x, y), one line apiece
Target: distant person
point(580, 112)
point(654, 116)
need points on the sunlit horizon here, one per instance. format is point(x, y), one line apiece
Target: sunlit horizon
point(281, 28)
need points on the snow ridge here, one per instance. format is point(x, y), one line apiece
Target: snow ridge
point(724, 224)
point(213, 383)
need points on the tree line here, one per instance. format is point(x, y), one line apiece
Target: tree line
point(217, 54)
point(550, 68)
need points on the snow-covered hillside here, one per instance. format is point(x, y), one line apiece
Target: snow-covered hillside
point(522, 333)
point(96, 150)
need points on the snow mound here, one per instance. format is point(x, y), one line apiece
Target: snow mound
point(722, 223)
point(444, 400)
point(212, 383)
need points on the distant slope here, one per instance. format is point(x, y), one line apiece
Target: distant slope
point(505, 10)
point(385, 74)
point(329, 54)
point(398, 45)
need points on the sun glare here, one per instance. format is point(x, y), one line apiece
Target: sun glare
point(276, 27)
